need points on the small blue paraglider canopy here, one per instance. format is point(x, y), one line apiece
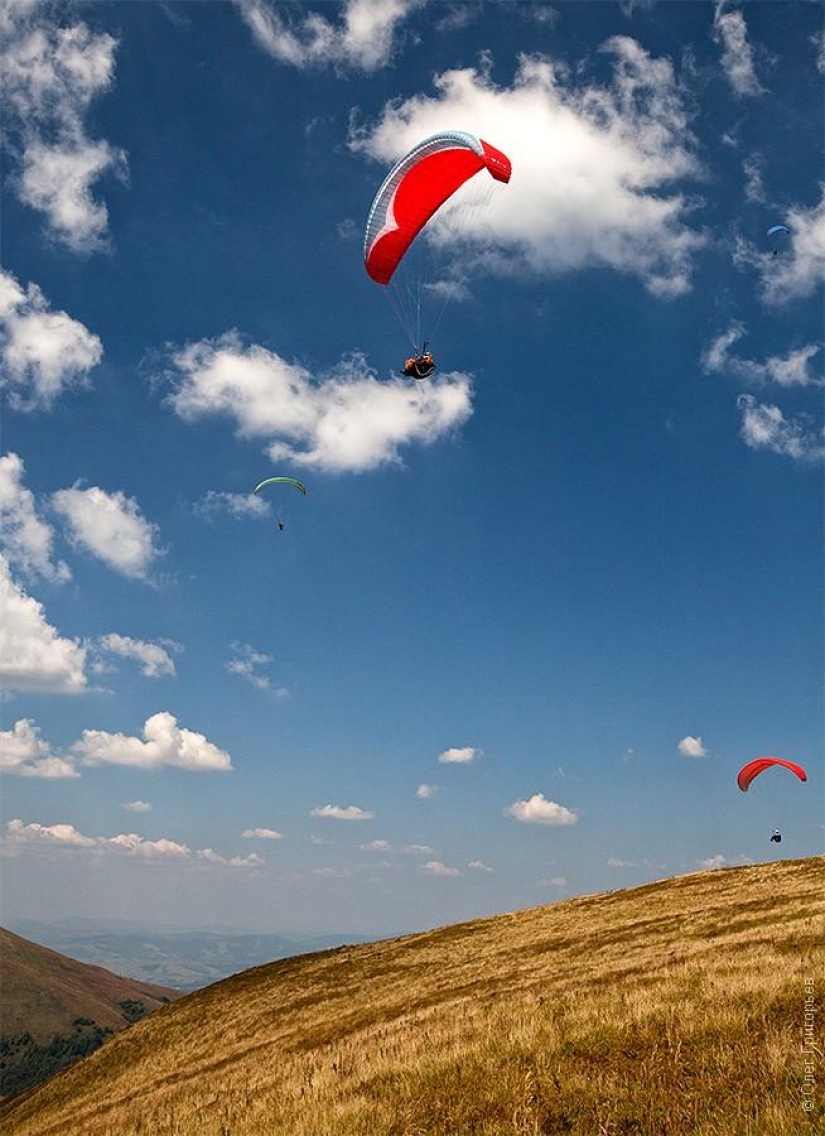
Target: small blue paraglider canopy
point(775, 230)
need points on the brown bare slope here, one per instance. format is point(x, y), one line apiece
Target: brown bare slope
point(673, 1009)
point(43, 992)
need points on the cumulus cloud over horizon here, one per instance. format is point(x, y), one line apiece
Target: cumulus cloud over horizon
point(594, 167)
point(43, 352)
point(344, 422)
point(19, 835)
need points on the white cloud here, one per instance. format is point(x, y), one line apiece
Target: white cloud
point(33, 656)
point(43, 352)
point(613, 862)
point(253, 860)
point(51, 76)
point(692, 747)
point(24, 753)
point(712, 862)
point(765, 427)
point(137, 806)
point(591, 166)
point(401, 850)
point(238, 505)
point(25, 538)
point(363, 39)
point(261, 834)
point(247, 664)
point(793, 369)
point(154, 658)
point(461, 755)
point(164, 743)
point(555, 881)
point(126, 843)
point(345, 422)
point(425, 792)
point(111, 527)
point(754, 186)
point(798, 269)
point(819, 43)
point(538, 810)
point(339, 812)
point(479, 865)
point(66, 834)
point(731, 31)
point(436, 868)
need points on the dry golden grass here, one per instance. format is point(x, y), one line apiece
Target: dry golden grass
point(673, 1009)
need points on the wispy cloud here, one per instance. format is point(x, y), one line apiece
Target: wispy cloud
point(765, 427)
point(425, 792)
point(731, 31)
point(347, 421)
point(248, 663)
point(43, 352)
point(362, 39)
point(154, 657)
point(137, 806)
point(436, 868)
point(51, 75)
point(792, 369)
point(261, 834)
point(238, 505)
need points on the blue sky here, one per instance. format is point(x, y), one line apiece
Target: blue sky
point(533, 615)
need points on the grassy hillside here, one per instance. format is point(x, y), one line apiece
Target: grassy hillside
point(55, 1010)
point(44, 992)
point(675, 1009)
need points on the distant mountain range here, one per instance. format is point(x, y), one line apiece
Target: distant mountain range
point(185, 960)
point(55, 1010)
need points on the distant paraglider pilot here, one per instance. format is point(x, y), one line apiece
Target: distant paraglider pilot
point(419, 366)
point(776, 837)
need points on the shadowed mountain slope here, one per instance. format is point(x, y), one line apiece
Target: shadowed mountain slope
point(44, 992)
point(673, 1008)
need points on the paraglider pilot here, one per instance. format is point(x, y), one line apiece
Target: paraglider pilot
point(776, 838)
point(419, 366)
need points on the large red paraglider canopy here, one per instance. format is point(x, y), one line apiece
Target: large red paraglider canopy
point(416, 187)
point(760, 764)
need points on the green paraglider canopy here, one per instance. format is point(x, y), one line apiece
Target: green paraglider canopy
point(283, 481)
